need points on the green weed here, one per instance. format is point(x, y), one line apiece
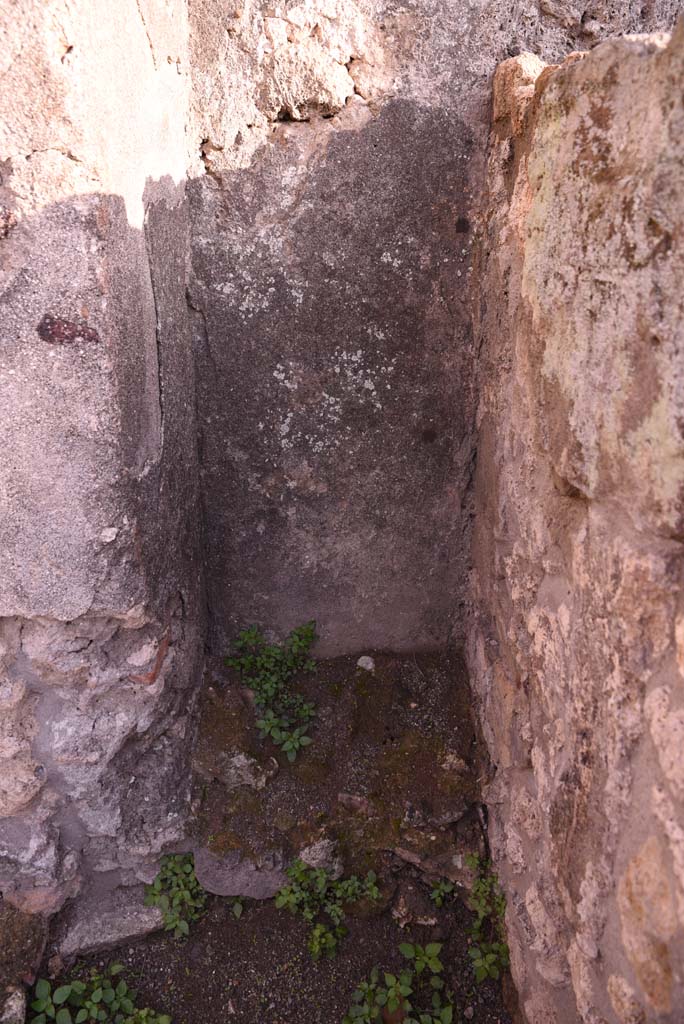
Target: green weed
point(488, 950)
point(98, 998)
point(177, 893)
point(313, 894)
point(420, 994)
point(267, 669)
point(441, 892)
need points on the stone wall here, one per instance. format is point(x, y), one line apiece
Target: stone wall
point(277, 203)
point(342, 143)
point(577, 650)
point(100, 612)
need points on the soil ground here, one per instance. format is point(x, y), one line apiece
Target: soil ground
point(257, 970)
point(396, 762)
point(393, 778)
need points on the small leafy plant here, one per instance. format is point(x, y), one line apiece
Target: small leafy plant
point(488, 950)
point(489, 959)
point(313, 894)
point(365, 1006)
point(267, 670)
point(419, 994)
point(441, 892)
point(97, 998)
point(177, 893)
point(423, 956)
point(323, 940)
point(397, 990)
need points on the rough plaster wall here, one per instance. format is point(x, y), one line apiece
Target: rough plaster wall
point(349, 502)
point(578, 648)
point(99, 586)
point(331, 273)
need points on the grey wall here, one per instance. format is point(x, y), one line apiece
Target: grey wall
point(331, 275)
point(100, 592)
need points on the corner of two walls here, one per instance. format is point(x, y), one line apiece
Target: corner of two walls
point(331, 285)
point(326, 363)
point(330, 274)
point(577, 644)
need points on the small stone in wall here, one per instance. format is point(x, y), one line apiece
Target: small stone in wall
point(59, 331)
point(568, 15)
point(21, 778)
point(7, 221)
point(239, 769)
point(354, 802)
point(648, 919)
point(626, 1006)
point(451, 762)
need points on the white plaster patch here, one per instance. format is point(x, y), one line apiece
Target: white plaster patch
point(143, 655)
point(667, 730)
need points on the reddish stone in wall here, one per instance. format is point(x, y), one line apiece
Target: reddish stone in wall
point(60, 331)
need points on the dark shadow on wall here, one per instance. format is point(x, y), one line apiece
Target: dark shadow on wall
point(284, 433)
point(335, 380)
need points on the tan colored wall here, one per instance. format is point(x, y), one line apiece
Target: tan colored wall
point(578, 649)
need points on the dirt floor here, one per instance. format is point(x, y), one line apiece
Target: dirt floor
point(396, 763)
point(258, 970)
point(393, 779)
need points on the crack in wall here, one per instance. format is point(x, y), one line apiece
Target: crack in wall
point(147, 34)
point(157, 334)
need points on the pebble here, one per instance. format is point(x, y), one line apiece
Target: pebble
point(13, 1006)
point(366, 663)
point(469, 1013)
